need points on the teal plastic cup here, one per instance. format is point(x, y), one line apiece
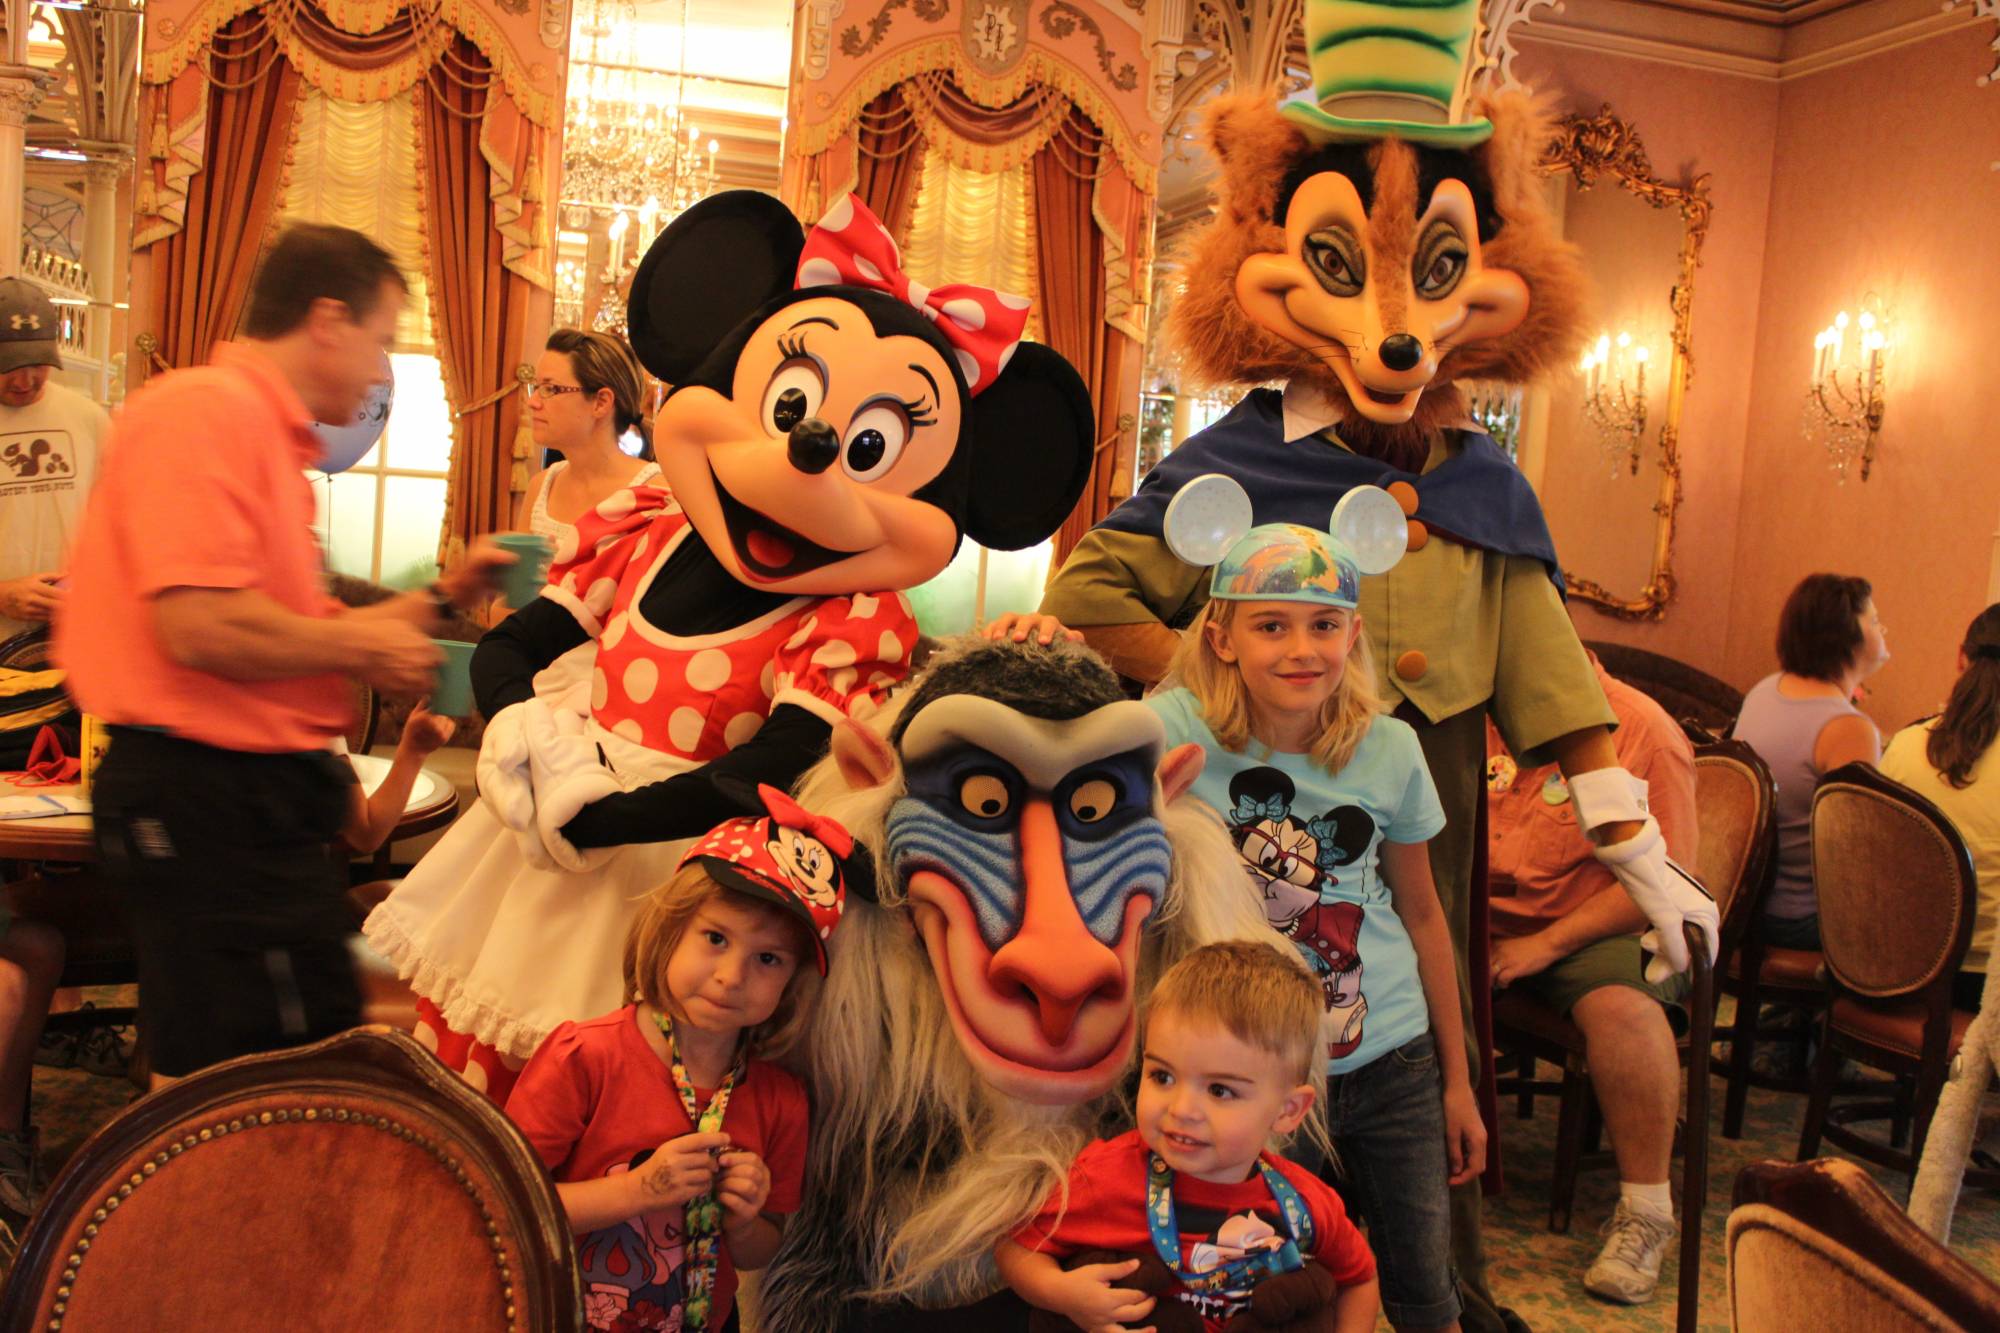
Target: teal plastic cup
point(521, 582)
point(452, 695)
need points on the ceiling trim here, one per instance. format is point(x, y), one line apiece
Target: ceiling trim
point(1731, 45)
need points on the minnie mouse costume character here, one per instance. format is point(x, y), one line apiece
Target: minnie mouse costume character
point(835, 430)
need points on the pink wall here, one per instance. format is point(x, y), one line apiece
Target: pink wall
point(1881, 183)
point(1691, 122)
point(1870, 177)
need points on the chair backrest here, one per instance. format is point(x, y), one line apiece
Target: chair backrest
point(367, 717)
point(1895, 885)
point(1684, 691)
point(1818, 1245)
point(355, 1183)
point(1737, 801)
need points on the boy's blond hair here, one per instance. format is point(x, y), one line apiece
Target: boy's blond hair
point(1225, 701)
point(664, 919)
point(1258, 996)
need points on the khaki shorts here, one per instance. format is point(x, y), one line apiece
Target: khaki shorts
point(1615, 961)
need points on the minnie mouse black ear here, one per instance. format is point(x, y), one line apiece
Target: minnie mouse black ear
point(1033, 441)
point(709, 270)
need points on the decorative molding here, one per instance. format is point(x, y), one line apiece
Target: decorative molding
point(995, 33)
point(817, 56)
point(1815, 42)
point(1061, 19)
point(22, 88)
point(1603, 145)
point(554, 25)
point(1493, 67)
point(853, 44)
point(1985, 9)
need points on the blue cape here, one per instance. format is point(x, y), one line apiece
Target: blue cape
point(1477, 497)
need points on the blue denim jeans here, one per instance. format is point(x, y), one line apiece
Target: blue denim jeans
point(1386, 1120)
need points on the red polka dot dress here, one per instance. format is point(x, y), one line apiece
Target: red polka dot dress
point(501, 949)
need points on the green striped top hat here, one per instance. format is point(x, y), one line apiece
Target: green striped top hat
point(1390, 69)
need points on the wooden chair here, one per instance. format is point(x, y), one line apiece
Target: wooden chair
point(355, 1183)
point(1897, 897)
point(1820, 1246)
point(1688, 694)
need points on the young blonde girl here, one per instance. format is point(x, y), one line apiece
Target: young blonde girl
point(1331, 807)
point(677, 1148)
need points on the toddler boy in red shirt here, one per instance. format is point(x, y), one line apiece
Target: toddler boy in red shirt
point(1243, 1238)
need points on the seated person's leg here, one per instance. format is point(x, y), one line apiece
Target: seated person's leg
point(31, 956)
point(1628, 1030)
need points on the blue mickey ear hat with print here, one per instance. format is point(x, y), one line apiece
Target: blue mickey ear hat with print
point(1209, 523)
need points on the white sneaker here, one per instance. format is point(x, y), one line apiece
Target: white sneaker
point(1628, 1267)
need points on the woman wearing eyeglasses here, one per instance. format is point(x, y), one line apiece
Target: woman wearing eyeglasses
point(588, 395)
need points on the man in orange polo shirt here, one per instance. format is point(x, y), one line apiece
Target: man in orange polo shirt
point(1563, 929)
point(199, 627)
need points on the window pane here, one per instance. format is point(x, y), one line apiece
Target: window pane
point(347, 522)
point(419, 434)
point(412, 515)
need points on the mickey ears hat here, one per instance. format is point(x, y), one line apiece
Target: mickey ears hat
point(1209, 523)
point(1390, 69)
point(787, 856)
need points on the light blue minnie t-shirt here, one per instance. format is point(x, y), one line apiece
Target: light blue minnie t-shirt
point(1311, 845)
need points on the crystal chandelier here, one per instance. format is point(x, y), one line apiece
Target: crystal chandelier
point(626, 138)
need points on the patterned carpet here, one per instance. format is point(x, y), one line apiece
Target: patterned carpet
point(1536, 1272)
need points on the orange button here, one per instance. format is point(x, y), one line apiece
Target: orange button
point(1405, 495)
point(1412, 665)
point(1419, 534)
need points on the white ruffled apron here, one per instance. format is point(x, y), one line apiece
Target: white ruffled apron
point(507, 950)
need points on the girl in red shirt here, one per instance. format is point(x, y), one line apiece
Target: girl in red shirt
point(677, 1148)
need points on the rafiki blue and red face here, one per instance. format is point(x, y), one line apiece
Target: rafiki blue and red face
point(1032, 856)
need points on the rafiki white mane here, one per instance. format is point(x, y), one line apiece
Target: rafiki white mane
point(918, 1167)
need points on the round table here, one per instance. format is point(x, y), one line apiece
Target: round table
point(433, 804)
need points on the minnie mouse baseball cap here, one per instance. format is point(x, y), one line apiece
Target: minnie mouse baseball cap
point(786, 856)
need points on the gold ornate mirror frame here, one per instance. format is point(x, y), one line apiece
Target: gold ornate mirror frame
point(1603, 145)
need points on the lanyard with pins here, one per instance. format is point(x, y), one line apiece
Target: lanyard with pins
point(1237, 1274)
point(704, 1214)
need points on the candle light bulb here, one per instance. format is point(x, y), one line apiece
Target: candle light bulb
point(1867, 321)
point(1840, 320)
point(1639, 355)
point(1624, 340)
point(1603, 346)
point(713, 147)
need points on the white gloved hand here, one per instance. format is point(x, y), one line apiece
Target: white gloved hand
point(568, 776)
point(505, 784)
point(1668, 895)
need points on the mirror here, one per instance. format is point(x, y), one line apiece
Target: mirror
point(1606, 447)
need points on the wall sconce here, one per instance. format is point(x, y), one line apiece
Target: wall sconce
point(1614, 397)
point(1843, 409)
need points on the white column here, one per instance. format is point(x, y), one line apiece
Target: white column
point(21, 87)
point(100, 257)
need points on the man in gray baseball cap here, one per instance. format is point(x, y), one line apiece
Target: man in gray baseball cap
point(49, 437)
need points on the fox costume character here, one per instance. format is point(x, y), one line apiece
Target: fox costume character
point(1371, 265)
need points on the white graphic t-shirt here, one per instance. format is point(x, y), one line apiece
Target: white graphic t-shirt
point(48, 460)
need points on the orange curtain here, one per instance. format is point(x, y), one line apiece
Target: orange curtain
point(479, 307)
point(889, 157)
point(1069, 253)
point(200, 275)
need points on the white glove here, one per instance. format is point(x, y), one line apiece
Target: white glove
point(505, 784)
point(1668, 895)
point(568, 776)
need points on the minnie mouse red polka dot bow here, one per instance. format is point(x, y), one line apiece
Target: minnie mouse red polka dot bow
point(850, 245)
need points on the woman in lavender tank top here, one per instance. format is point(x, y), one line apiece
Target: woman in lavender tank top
point(1803, 723)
